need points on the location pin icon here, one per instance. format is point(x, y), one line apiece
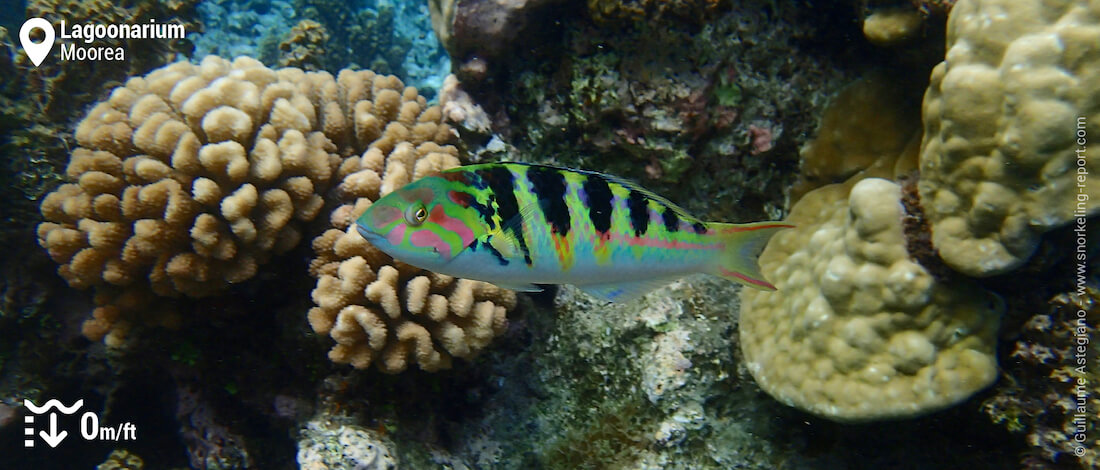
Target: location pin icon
point(37, 52)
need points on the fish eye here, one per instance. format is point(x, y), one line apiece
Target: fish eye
point(416, 214)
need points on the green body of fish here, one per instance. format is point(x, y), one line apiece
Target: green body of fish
point(517, 225)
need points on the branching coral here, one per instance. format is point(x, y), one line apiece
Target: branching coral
point(364, 36)
point(39, 104)
point(385, 312)
point(1006, 117)
point(191, 177)
point(304, 46)
point(858, 330)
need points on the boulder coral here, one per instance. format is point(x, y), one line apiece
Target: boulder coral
point(1006, 118)
point(878, 334)
point(858, 330)
point(871, 128)
point(191, 177)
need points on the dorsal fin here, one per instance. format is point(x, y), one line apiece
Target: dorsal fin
point(628, 184)
point(680, 211)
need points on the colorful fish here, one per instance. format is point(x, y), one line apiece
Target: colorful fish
point(517, 225)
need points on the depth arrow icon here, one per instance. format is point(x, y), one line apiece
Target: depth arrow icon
point(53, 438)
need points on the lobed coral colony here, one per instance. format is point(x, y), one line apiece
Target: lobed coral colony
point(863, 331)
point(999, 163)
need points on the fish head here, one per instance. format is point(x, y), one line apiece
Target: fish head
point(424, 223)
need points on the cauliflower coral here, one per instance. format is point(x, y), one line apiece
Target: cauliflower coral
point(384, 312)
point(191, 177)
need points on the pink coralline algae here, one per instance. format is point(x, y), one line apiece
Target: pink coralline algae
point(761, 138)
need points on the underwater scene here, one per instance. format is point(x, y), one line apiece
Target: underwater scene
point(550, 234)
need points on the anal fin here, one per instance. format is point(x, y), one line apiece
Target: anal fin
point(519, 287)
point(622, 292)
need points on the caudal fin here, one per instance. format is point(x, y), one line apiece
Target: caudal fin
point(744, 242)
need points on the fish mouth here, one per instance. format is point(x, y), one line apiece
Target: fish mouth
point(382, 243)
point(373, 237)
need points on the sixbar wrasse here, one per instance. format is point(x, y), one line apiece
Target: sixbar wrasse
point(516, 225)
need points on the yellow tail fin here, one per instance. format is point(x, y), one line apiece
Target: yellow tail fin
point(744, 242)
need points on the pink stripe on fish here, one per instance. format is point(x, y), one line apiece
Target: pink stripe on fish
point(427, 238)
point(650, 242)
point(756, 282)
point(396, 235)
point(462, 199)
point(452, 225)
point(736, 229)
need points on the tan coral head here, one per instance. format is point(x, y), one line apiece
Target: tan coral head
point(859, 331)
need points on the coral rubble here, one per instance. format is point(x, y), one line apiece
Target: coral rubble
point(328, 445)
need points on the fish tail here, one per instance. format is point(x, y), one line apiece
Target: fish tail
point(744, 242)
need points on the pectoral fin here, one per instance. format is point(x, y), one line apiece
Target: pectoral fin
point(505, 243)
point(505, 239)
